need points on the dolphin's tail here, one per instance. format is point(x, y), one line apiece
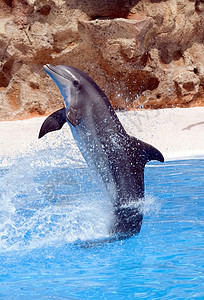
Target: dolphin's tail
point(128, 221)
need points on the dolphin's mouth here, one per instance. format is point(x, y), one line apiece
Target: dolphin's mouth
point(47, 68)
point(61, 79)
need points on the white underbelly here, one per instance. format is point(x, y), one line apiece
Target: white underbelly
point(94, 155)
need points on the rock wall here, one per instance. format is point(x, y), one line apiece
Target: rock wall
point(147, 53)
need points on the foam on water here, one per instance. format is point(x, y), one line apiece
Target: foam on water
point(49, 199)
point(41, 206)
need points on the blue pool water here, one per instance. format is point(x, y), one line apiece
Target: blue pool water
point(49, 215)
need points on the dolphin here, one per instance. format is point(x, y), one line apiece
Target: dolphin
point(117, 159)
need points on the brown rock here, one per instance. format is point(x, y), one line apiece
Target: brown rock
point(141, 53)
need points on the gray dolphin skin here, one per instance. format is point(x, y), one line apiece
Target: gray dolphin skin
point(116, 158)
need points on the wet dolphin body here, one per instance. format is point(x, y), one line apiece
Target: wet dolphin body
point(117, 158)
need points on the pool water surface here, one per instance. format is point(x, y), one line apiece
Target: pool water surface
point(50, 215)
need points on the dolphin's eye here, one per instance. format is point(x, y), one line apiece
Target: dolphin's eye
point(76, 83)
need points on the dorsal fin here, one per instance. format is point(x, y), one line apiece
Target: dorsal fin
point(145, 151)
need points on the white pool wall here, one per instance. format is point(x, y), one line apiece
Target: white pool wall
point(178, 133)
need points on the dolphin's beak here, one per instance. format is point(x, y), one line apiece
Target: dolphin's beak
point(62, 78)
point(49, 69)
point(45, 67)
point(56, 71)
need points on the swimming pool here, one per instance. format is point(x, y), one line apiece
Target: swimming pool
point(48, 214)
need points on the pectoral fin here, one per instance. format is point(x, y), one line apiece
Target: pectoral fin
point(54, 122)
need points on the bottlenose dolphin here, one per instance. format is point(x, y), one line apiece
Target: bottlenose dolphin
point(117, 158)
